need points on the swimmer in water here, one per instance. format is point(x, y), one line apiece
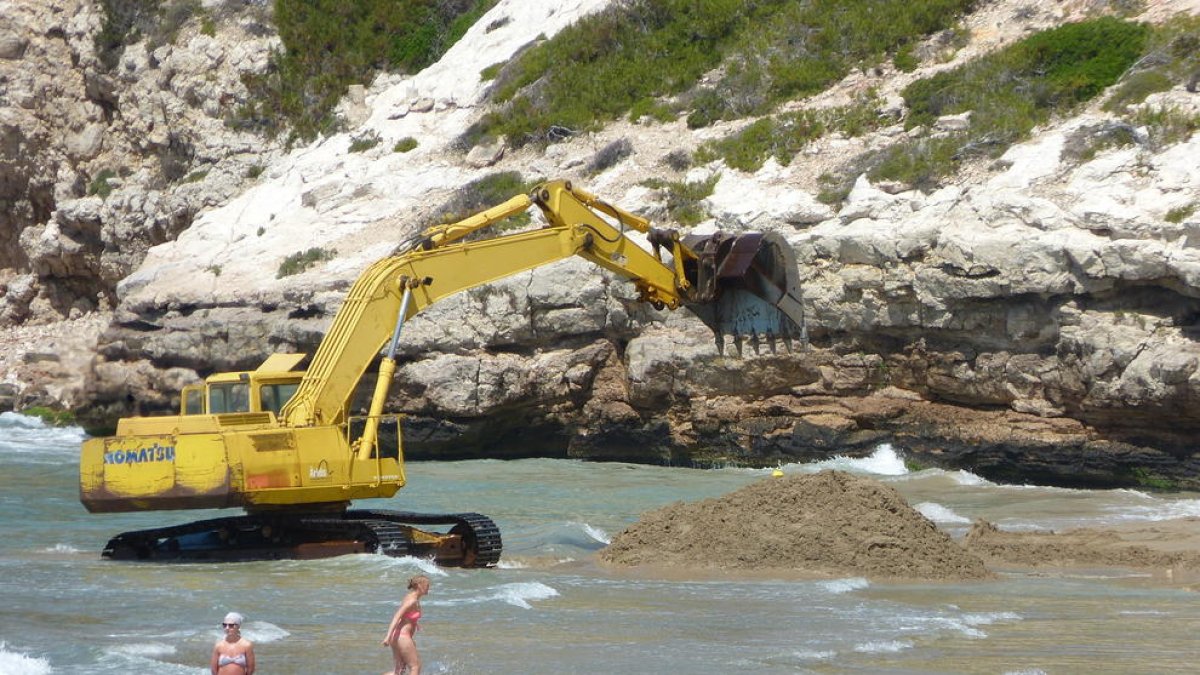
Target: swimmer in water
point(233, 654)
point(403, 626)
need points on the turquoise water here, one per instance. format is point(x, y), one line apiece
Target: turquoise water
point(550, 607)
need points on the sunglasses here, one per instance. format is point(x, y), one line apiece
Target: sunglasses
point(229, 625)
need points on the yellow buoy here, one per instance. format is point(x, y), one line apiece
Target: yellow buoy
point(777, 473)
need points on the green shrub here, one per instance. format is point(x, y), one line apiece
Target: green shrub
point(677, 160)
point(195, 176)
point(124, 22)
point(654, 109)
point(482, 194)
point(330, 44)
point(255, 171)
point(1148, 479)
point(905, 59)
point(1085, 142)
point(609, 156)
point(779, 137)
point(299, 262)
point(920, 163)
point(405, 144)
point(99, 185)
point(684, 199)
point(491, 71)
point(783, 136)
point(364, 141)
point(1135, 88)
point(1167, 125)
point(54, 418)
point(1180, 213)
point(173, 15)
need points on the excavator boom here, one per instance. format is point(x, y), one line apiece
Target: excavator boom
point(284, 444)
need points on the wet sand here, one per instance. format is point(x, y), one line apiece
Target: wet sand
point(1167, 550)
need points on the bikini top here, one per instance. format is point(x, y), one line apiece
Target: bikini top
point(240, 660)
point(413, 616)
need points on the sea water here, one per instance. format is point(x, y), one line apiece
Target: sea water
point(550, 607)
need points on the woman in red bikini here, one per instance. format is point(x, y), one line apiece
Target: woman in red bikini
point(404, 624)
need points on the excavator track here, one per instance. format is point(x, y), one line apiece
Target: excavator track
point(472, 541)
point(481, 541)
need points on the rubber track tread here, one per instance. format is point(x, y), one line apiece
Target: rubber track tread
point(149, 538)
point(488, 543)
point(382, 536)
point(381, 530)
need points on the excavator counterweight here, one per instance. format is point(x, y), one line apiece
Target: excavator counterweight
point(284, 444)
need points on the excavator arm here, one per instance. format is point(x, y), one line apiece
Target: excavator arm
point(441, 262)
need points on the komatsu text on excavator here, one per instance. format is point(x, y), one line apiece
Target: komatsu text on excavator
point(285, 445)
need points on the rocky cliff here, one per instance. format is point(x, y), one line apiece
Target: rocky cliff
point(1032, 319)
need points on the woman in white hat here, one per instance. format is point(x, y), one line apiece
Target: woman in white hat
point(233, 654)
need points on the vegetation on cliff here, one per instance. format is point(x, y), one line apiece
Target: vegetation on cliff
point(329, 45)
point(647, 58)
point(1007, 94)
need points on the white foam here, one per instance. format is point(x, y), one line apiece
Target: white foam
point(521, 594)
point(940, 514)
point(883, 462)
point(814, 655)
point(263, 632)
point(1163, 510)
point(597, 534)
point(967, 624)
point(839, 586)
point(61, 548)
point(882, 647)
point(126, 662)
point(12, 420)
point(426, 567)
point(16, 663)
point(966, 478)
point(988, 618)
point(144, 649)
point(32, 440)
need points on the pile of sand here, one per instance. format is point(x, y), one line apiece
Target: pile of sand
point(830, 523)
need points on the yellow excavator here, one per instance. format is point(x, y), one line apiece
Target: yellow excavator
point(283, 443)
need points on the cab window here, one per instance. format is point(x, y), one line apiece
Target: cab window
point(229, 398)
point(193, 401)
point(274, 396)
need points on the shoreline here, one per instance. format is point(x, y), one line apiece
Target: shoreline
point(1168, 551)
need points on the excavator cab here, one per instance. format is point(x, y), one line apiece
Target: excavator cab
point(265, 389)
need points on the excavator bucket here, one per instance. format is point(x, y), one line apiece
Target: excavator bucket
point(747, 287)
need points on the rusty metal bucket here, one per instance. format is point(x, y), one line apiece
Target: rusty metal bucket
point(747, 286)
